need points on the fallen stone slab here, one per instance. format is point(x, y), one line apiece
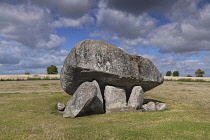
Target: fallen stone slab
point(97, 106)
point(81, 101)
point(107, 64)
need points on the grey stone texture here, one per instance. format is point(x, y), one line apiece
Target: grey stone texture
point(160, 106)
point(107, 64)
point(136, 98)
point(81, 101)
point(97, 106)
point(61, 106)
point(115, 98)
point(149, 107)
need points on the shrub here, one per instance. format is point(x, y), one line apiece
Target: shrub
point(27, 73)
point(176, 73)
point(168, 73)
point(52, 70)
point(199, 73)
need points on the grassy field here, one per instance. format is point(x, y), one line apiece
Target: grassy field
point(28, 111)
point(29, 77)
point(57, 77)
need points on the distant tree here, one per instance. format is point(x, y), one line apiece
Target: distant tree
point(52, 70)
point(27, 73)
point(168, 73)
point(176, 73)
point(189, 75)
point(199, 73)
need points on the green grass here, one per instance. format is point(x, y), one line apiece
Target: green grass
point(44, 85)
point(34, 116)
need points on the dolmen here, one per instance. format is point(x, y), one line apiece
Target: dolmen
point(104, 79)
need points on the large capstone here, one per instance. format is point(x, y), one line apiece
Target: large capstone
point(101, 61)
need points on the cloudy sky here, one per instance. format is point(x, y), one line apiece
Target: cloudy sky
point(173, 34)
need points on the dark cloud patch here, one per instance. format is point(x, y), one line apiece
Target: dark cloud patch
point(138, 7)
point(124, 25)
point(6, 59)
point(10, 52)
point(66, 8)
point(174, 10)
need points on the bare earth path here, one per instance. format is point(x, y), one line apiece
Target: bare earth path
point(29, 76)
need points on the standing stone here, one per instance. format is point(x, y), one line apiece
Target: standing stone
point(149, 107)
point(115, 98)
point(97, 106)
point(136, 98)
point(108, 65)
point(81, 101)
point(61, 106)
point(160, 106)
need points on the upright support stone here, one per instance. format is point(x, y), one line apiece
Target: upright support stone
point(115, 99)
point(136, 98)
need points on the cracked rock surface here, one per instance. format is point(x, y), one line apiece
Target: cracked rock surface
point(107, 64)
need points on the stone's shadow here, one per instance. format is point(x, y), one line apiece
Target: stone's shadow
point(151, 100)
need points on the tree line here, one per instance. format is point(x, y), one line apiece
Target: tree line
point(50, 70)
point(198, 73)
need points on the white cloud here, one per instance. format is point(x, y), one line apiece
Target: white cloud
point(54, 42)
point(29, 25)
point(186, 36)
point(18, 59)
point(29, 41)
point(183, 10)
point(186, 31)
point(10, 52)
point(69, 22)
